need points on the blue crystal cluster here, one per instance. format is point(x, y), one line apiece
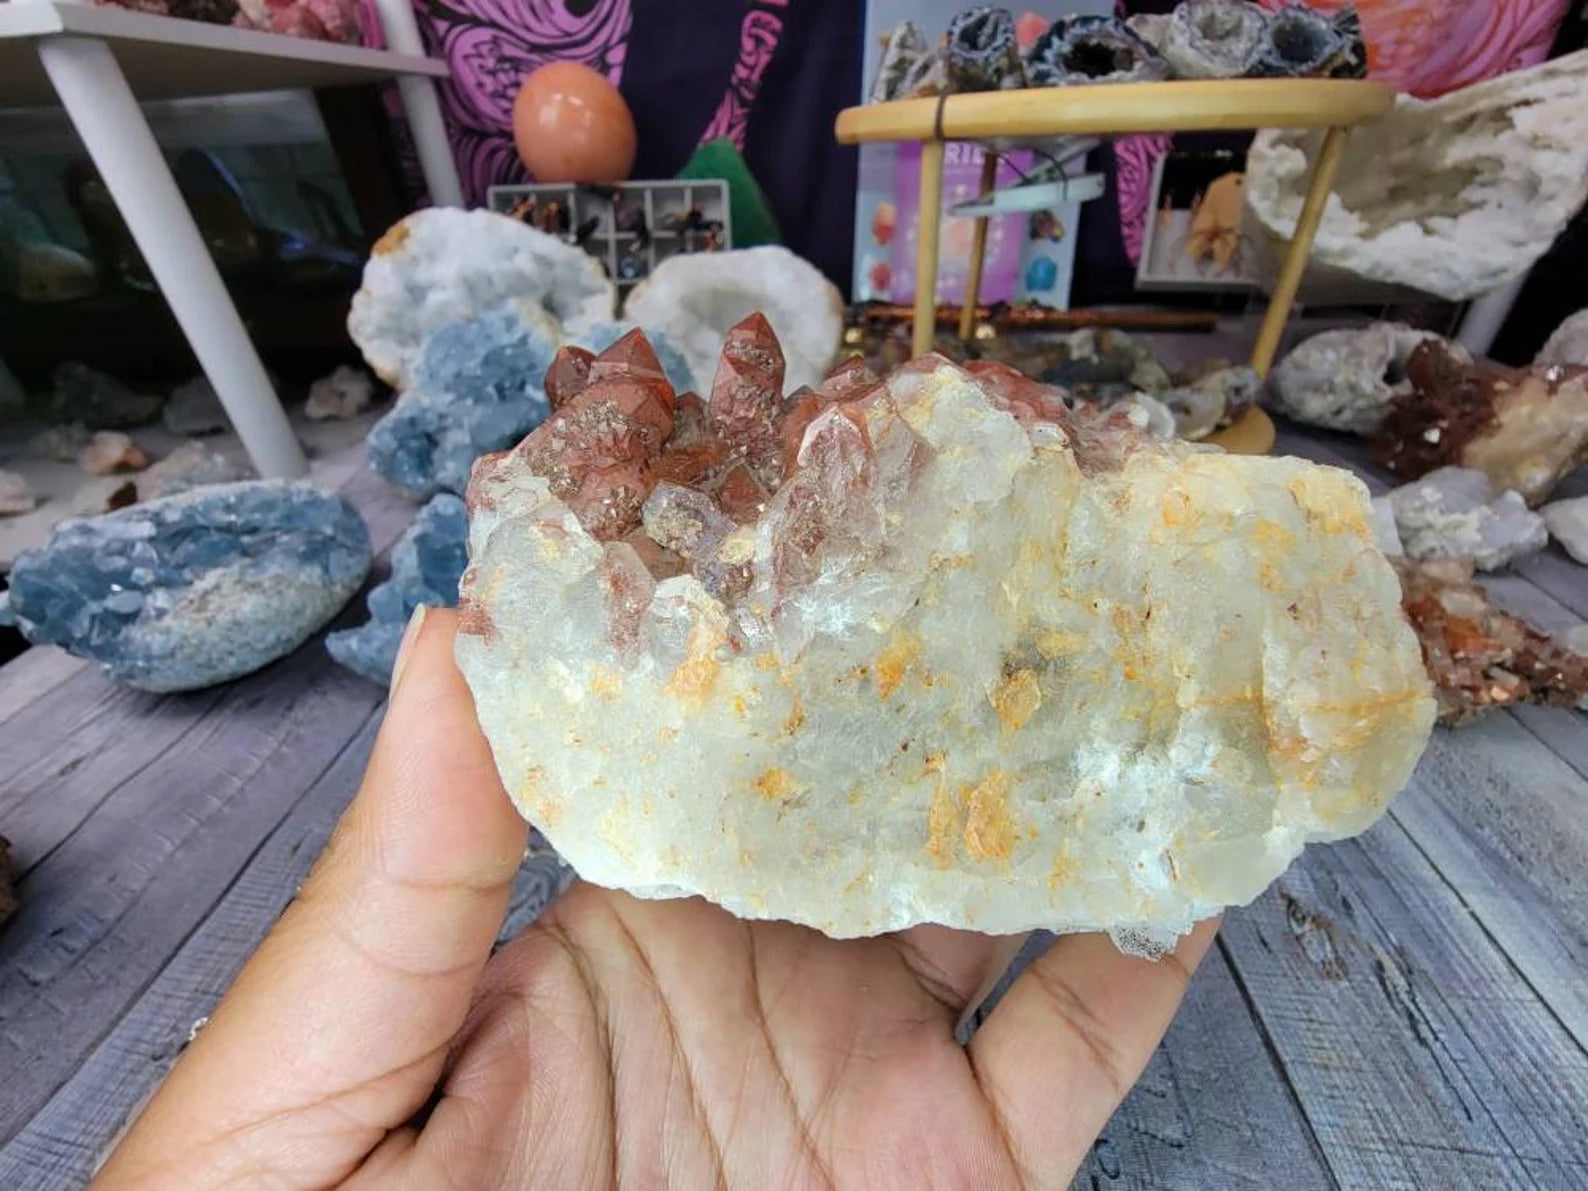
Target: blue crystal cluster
point(426, 565)
point(477, 388)
point(194, 589)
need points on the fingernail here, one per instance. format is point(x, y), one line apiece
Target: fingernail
point(416, 622)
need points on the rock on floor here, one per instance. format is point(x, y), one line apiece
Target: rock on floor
point(194, 589)
point(1453, 513)
point(1346, 379)
point(1568, 525)
point(426, 564)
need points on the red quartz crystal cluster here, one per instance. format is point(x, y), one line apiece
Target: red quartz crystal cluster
point(674, 476)
point(1478, 656)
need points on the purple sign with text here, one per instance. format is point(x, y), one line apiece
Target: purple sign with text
point(962, 166)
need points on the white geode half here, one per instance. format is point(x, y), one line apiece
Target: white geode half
point(1023, 688)
point(441, 266)
point(1452, 196)
point(693, 299)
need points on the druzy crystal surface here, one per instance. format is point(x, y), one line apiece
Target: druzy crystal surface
point(193, 589)
point(971, 657)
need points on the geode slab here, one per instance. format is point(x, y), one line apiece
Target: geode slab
point(1092, 49)
point(194, 589)
point(1214, 39)
point(1524, 428)
point(442, 266)
point(982, 54)
point(1451, 196)
point(961, 667)
point(1301, 43)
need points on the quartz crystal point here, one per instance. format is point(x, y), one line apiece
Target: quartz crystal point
point(1524, 428)
point(598, 451)
point(980, 660)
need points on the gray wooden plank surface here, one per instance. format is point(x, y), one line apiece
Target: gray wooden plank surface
point(1502, 820)
point(1420, 1055)
point(32, 674)
point(132, 813)
point(104, 911)
point(1212, 1109)
point(61, 1144)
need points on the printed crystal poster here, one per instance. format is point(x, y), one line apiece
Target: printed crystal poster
point(1042, 246)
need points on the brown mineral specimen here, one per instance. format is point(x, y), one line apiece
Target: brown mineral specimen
point(741, 495)
point(747, 396)
point(568, 375)
point(696, 452)
point(598, 450)
point(1478, 656)
point(1523, 427)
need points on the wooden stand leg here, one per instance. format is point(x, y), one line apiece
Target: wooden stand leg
point(1284, 296)
point(929, 221)
point(978, 251)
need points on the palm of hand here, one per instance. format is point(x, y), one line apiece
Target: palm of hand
point(632, 1043)
point(619, 1041)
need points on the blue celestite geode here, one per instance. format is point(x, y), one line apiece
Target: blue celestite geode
point(193, 589)
point(426, 565)
point(476, 388)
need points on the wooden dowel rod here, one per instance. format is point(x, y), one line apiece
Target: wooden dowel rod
point(978, 249)
point(1295, 264)
point(929, 218)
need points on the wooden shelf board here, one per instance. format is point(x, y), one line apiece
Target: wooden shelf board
point(165, 58)
point(1177, 106)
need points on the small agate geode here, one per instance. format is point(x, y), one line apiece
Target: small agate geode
point(925, 648)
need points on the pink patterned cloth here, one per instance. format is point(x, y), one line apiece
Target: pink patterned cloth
point(758, 37)
point(1429, 47)
point(1135, 158)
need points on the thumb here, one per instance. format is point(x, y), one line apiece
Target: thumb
point(337, 1029)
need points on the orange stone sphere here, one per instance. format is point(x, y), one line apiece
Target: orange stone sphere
point(571, 125)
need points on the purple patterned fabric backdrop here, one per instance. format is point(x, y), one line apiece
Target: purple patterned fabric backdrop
point(490, 45)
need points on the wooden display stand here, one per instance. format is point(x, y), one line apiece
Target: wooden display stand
point(1039, 114)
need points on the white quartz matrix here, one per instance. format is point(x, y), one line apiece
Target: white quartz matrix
point(1015, 685)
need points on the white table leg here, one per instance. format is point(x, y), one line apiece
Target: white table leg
point(93, 90)
point(422, 106)
point(1486, 314)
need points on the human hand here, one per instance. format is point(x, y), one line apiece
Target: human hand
point(373, 1040)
